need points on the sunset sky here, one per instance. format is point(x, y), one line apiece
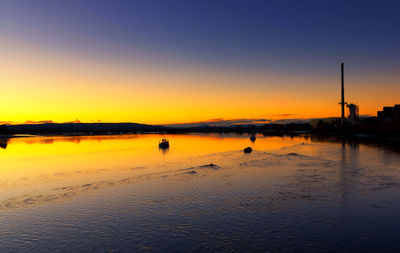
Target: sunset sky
point(182, 61)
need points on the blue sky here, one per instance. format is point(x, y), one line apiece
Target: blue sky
point(249, 34)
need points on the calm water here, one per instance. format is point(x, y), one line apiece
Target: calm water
point(121, 193)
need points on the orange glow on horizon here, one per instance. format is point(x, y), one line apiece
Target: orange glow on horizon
point(42, 85)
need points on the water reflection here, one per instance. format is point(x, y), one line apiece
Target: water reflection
point(343, 170)
point(372, 142)
point(349, 165)
point(302, 192)
point(3, 143)
point(164, 150)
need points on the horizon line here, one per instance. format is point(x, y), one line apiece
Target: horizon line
point(239, 121)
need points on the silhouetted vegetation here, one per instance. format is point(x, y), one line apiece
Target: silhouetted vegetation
point(3, 129)
point(83, 128)
point(328, 126)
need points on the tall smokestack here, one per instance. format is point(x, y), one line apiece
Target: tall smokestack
point(342, 103)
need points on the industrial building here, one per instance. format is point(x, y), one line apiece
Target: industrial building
point(354, 114)
point(389, 113)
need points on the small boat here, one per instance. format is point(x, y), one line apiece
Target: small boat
point(253, 138)
point(164, 143)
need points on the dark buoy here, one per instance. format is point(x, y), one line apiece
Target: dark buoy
point(248, 150)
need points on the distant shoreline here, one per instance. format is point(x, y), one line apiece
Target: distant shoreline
point(294, 129)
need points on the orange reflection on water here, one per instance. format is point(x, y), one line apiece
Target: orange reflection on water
point(38, 165)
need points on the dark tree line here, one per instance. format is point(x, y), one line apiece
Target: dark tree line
point(3, 129)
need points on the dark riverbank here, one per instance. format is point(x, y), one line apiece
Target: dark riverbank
point(376, 132)
point(80, 128)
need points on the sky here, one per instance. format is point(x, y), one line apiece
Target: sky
point(170, 61)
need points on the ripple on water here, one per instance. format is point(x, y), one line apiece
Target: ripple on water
point(217, 202)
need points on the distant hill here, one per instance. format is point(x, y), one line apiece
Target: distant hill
point(82, 128)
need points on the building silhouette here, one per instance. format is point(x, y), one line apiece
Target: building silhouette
point(354, 114)
point(389, 113)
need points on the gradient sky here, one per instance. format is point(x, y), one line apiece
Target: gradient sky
point(186, 61)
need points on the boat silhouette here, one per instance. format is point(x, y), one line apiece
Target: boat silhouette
point(164, 143)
